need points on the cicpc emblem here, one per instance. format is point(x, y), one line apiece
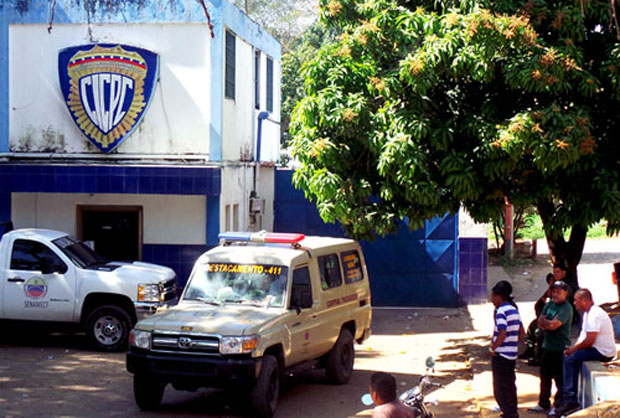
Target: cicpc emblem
point(107, 88)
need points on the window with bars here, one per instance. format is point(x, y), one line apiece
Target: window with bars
point(269, 85)
point(229, 89)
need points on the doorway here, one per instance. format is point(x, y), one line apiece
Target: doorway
point(116, 231)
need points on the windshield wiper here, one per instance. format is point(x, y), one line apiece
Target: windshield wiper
point(209, 301)
point(243, 302)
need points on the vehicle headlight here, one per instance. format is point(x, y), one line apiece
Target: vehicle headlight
point(140, 339)
point(238, 345)
point(148, 292)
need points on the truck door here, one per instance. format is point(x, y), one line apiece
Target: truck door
point(303, 325)
point(39, 284)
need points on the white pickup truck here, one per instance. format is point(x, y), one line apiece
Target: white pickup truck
point(48, 276)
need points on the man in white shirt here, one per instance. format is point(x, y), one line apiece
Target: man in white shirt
point(595, 342)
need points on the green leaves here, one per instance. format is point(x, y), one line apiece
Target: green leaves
point(413, 111)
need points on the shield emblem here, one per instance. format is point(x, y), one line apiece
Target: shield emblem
point(107, 89)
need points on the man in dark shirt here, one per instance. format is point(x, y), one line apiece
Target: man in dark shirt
point(555, 320)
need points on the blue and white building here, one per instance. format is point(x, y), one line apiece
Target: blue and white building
point(147, 156)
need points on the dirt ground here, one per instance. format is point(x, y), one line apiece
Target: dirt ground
point(56, 376)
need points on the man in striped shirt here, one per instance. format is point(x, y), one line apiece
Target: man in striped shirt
point(504, 346)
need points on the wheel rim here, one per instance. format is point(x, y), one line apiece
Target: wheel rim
point(108, 330)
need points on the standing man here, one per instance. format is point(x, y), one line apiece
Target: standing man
point(595, 342)
point(555, 321)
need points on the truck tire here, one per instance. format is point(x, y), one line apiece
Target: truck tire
point(147, 391)
point(341, 358)
point(264, 395)
point(108, 328)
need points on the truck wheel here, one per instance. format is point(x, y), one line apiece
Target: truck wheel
point(264, 396)
point(340, 359)
point(147, 391)
point(108, 328)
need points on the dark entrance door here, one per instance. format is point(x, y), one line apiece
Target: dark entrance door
point(115, 230)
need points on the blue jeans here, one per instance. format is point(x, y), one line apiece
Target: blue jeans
point(572, 366)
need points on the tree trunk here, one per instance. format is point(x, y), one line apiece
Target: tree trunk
point(561, 251)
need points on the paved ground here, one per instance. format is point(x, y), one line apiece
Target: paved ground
point(55, 376)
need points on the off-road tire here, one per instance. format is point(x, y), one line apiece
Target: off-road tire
point(266, 390)
point(108, 328)
point(341, 358)
point(147, 391)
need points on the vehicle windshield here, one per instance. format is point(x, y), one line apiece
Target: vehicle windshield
point(251, 284)
point(79, 252)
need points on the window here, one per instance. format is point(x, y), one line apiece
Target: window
point(257, 79)
point(269, 85)
point(230, 66)
point(329, 268)
point(301, 291)
point(34, 256)
point(351, 264)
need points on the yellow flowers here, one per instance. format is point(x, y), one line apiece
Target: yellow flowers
point(377, 83)
point(549, 58)
point(570, 64)
point(348, 115)
point(334, 7)
point(536, 75)
point(344, 51)
point(561, 143)
point(451, 19)
point(588, 145)
point(369, 27)
point(415, 64)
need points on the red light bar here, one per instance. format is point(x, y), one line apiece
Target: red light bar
point(268, 237)
point(283, 237)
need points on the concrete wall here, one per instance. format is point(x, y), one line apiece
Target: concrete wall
point(166, 219)
point(177, 121)
point(237, 183)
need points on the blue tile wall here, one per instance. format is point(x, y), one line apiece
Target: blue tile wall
point(180, 258)
point(409, 268)
point(187, 180)
point(473, 270)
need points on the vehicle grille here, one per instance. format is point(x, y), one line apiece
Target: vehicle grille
point(185, 343)
point(168, 289)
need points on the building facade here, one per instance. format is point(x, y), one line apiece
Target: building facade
point(145, 131)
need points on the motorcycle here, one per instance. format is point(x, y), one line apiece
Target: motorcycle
point(414, 398)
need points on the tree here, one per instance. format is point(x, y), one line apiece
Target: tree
point(286, 20)
point(421, 106)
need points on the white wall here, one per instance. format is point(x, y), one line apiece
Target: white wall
point(239, 131)
point(468, 228)
point(166, 219)
point(238, 114)
point(237, 183)
point(177, 120)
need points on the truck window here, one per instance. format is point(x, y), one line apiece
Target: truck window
point(301, 292)
point(329, 268)
point(352, 266)
point(34, 256)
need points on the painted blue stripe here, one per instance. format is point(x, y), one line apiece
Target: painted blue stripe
point(217, 86)
point(4, 80)
point(213, 220)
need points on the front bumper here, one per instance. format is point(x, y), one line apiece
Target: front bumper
point(144, 309)
point(199, 370)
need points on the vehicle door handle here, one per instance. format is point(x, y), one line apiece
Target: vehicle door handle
point(15, 280)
